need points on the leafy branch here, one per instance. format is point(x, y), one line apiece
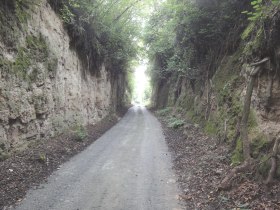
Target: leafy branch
point(260, 9)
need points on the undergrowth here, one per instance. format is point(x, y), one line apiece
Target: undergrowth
point(172, 121)
point(80, 133)
point(164, 112)
point(175, 123)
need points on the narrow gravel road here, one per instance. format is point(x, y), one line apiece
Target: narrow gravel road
point(128, 168)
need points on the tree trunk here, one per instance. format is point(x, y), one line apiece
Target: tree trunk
point(273, 162)
point(236, 136)
point(226, 182)
point(209, 95)
point(248, 163)
point(246, 112)
point(245, 117)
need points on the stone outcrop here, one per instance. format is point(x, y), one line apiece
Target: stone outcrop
point(44, 86)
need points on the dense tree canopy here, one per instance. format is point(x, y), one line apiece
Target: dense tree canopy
point(184, 34)
point(189, 37)
point(103, 29)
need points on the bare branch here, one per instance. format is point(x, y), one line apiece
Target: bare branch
point(260, 62)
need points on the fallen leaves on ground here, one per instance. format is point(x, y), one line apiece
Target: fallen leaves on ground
point(201, 162)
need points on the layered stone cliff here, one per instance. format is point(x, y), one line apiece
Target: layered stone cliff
point(44, 87)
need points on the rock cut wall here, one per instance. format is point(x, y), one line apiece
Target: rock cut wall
point(44, 86)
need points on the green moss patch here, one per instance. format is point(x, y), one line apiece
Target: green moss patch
point(237, 156)
point(210, 128)
point(195, 117)
point(36, 50)
point(249, 30)
point(38, 47)
point(22, 63)
point(252, 121)
point(14, 15)
point(253, 46)
point(21, 10)
point(259, 143)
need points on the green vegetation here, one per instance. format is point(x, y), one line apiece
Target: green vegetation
point(35, 49)
point(175, 123)
point(102, 31)
point(13, 12)
point(106, 32)
point(130, 85)
point(172, 120)
point(260, 9)
point(257, 37)
point(21, 9)
point(164, 112)
point(183, 35)
point(210, 128)
point(259, 144)
point(147, 94)
point(194, 116)
point(42, 157)
point(38, 47)
point(255, 43)
point(237, 156)
point(80, 133)
point(196, 51)
point(22, 63)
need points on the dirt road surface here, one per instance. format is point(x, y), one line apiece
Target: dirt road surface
point(128, 168)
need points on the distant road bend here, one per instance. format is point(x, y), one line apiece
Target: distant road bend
point(128, 168)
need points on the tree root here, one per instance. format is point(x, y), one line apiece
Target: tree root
point(249, 162)
point(227, 181)
point(273, 168)
point(248, 165)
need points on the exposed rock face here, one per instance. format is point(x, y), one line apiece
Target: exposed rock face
point(57, 91)
point(225, 103)
point(267, 104)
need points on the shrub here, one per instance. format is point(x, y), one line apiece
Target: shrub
point(175, 123)
point(80, 133)
point(164, 112)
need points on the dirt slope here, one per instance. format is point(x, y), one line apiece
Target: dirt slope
point(201, 162)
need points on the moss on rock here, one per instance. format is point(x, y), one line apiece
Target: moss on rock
point(35, 50)
point(22, 63)
point(253, 46)
point(38, 47)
